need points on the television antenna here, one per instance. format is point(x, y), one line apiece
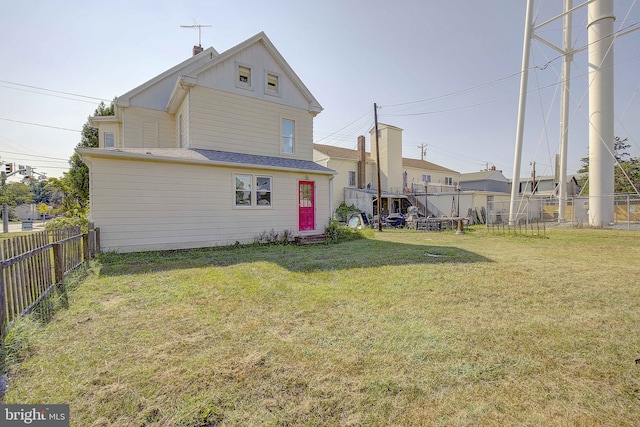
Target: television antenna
point(199, 27)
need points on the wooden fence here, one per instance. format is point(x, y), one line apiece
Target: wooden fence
point(33, 264)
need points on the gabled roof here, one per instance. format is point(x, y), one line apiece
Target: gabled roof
point(346, 153)
point(174, 72)
point(339, 152)
point(494, 175)
point(423, 164)
point(261, 37)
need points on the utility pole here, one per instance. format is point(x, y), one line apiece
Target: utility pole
point(10, 170)
point(423, 150)
point(5, 208)
point(533, 178)
point(375, 116)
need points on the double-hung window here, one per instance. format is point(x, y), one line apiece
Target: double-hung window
point(253, 190)
point(288, 130)
point(109, 140)
point(352, 178)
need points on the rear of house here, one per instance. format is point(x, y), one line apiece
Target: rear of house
point(214, 151)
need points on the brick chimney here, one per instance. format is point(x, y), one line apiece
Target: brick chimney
point(197, 50)
point(362, 162)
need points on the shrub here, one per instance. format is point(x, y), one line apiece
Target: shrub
point(273, 238)
point(68, 221)
point(343, 211)
point(336, 232)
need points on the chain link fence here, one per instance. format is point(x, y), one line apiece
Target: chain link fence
point(545, 209)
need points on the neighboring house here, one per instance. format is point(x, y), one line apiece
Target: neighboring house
point(491, 180)
point(213, 151)
point(547, 186)
point(26, 212)
point(400, 178)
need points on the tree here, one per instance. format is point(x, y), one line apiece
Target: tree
point(78, 175)
point(43, 209)
point(38, 187)
point(62, 193)
point(627, 169)
point(15, 193)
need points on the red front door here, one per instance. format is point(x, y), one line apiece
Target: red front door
point(306, 201)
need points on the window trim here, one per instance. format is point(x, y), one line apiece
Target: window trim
point(268, 91)
point(354, 182)
point(113, 134)
point(238, 83)
point(253, 196)
point(282, 136)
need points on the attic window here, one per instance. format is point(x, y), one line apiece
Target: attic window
point(272, 86)
point(244, 75)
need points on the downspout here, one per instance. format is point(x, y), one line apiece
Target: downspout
point(331, 197)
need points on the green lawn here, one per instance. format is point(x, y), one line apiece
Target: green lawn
point(404, 329)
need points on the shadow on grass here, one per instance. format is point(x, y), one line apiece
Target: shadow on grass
point(364, 253)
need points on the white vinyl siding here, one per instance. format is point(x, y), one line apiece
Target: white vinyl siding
point(137, 206)
point(229, 122)
point(223, 76)
point(182, 125)
point(145, 128)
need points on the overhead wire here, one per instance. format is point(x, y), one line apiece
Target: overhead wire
point(343, 128)
point(39, 124)
point(482, 85)
point(54, 91)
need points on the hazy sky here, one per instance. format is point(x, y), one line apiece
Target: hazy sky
point(447, 72)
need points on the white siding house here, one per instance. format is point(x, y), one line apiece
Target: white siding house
point(400, 177)
point(211, 152)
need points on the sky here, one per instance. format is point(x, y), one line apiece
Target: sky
point(446, 72)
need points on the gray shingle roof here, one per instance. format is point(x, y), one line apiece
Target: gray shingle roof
point(208, 156)
point(268, 161)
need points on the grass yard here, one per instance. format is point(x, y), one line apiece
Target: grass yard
point(404, 329)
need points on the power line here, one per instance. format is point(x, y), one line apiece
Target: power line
point(40, 124)
point(49, 94)
point(55, 91)
point(510, 76)
point(33, 155)
point(342, 128)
